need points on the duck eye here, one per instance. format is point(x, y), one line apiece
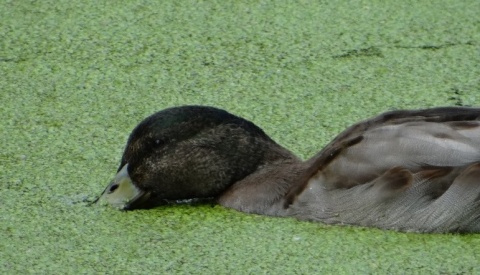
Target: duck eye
point(158, 142)
point(113, 188)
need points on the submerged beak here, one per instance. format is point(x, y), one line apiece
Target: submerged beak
point(122, 193)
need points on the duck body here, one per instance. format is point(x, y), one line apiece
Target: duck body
point(416, 170)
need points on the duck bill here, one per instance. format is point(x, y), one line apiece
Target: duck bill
point(121, 193)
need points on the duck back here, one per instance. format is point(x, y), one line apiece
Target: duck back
point(404, 170)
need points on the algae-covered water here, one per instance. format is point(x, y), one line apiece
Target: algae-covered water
point(77, 76)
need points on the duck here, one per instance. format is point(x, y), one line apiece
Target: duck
point(402, 170)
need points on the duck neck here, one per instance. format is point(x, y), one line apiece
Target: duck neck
point(263, 192)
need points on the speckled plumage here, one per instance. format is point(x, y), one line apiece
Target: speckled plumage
point(404, 170)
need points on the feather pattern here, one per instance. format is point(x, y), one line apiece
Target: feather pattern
point(403, 170)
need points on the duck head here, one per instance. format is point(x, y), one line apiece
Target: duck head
point(188, 152)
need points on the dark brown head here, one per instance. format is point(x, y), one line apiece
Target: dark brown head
point(187, 152)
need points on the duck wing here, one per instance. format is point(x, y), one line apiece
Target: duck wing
point(405, 170)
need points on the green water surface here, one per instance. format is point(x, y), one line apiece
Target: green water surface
point(77, 76)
